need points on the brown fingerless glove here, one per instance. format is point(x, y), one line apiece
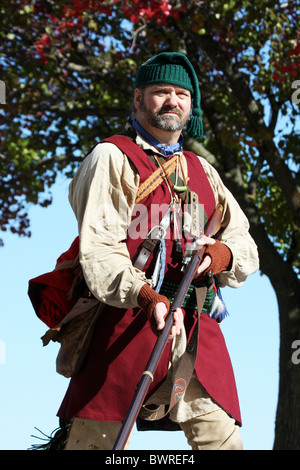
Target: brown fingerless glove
point(148, 298)
point(221, 259)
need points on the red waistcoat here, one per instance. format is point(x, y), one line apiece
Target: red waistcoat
point(123, 341)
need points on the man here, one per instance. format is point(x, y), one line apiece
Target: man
point(112, 227)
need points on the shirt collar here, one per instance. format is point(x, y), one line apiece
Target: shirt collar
point(166, 150)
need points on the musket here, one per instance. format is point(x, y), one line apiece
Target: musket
point(147, 377)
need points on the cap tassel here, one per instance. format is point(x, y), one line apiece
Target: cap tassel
point(195, 125)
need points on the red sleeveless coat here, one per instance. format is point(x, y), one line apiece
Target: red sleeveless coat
point(123, 340)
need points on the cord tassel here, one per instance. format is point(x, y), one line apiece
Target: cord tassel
point(218, 310)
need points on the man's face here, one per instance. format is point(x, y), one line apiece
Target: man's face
point(165, 107)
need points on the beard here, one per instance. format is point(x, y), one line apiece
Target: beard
point(160, 120)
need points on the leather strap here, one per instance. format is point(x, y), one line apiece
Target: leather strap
point(155, 179)
point(127, 146)
point(149, 244)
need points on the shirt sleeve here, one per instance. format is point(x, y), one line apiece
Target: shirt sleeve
point(102, 196)
point(234, 233)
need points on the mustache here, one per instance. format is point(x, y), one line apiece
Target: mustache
point(165, 109)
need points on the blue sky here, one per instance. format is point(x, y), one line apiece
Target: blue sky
point(31, 391)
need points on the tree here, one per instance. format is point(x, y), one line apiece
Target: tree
point(68, 69)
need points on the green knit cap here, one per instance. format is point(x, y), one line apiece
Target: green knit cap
point(174, 68)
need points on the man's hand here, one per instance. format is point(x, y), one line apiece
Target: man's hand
point(156, 307)
point(159, 313)
point(207, 259)
point(217, 258)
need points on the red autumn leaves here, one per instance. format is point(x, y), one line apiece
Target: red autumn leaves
point(290, 65)
point(70, 19)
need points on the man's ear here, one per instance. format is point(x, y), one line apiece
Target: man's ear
point(137, 98)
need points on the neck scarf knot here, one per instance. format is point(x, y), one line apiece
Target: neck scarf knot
point(166, 150)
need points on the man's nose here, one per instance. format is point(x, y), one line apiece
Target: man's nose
point(171, 100)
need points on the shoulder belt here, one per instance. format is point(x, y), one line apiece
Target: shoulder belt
point(131, 149)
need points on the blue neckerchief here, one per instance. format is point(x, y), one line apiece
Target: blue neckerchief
point(166, 150)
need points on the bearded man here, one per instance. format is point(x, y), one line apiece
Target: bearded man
point(113, 185)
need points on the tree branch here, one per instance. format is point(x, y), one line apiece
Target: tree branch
point(254, 114)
